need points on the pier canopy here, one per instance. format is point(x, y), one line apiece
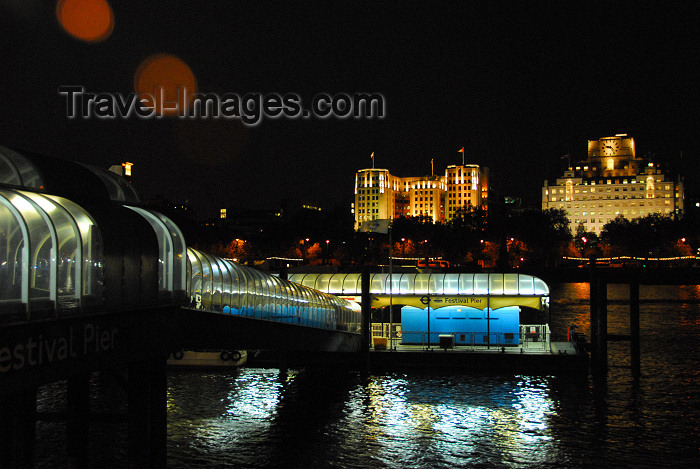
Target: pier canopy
point(51, 257)
point(18, 171)
point(440, 289)
point(223, 286)
point(119, 188)
point(172, 254)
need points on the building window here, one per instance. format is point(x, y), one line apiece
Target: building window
point(650, 187)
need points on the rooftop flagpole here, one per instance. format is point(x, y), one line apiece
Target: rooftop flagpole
point(462, 152)
point(568, 160)
point(372, 156)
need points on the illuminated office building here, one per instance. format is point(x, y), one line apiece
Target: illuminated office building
point(613, 181)
point(466, 185)
point(380, 195)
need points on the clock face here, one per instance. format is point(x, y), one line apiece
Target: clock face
point(609, 147)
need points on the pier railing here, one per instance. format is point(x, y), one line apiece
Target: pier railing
point(470, 340)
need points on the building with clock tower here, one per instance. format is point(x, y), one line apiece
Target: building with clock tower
point(613, 182)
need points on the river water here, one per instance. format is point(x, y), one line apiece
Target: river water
point(256, 418)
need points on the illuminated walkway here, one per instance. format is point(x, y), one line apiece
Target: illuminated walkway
point(59, 258)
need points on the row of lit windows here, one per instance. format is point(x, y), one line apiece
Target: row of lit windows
point(607, 197)
point(408, 186)
point(649, 203)
point(610, 217)
point(659, 178)
point(457, 202)
point(611, 212)
point(460, 194)
point(641, 187)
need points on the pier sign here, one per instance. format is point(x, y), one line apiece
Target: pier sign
point(473, 301)
point(40, 347)
point(435, 301)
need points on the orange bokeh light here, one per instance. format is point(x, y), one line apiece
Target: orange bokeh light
point(87, 20)
point(167, 78)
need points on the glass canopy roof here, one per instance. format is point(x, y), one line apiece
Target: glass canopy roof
point(18, 171)
point(421, 284)
point(51, 259)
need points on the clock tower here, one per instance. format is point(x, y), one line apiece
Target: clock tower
point(611, 153)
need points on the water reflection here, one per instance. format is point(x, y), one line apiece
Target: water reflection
point(450, 421)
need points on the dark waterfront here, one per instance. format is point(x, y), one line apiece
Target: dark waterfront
point(258, 418)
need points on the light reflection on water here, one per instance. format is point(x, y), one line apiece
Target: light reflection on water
point(386, 421)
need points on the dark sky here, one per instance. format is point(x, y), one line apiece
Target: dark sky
point(518, 84)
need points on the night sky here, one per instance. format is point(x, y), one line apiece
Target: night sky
point(518, 84)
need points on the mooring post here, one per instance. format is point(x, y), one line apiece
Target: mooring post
point(366, 314)
point(595, 317)
point(18, 428)
point(635, 357)
point(78, 422)
point(6, 437)
point(148, 419)
point(603, 325)
point(282, 361)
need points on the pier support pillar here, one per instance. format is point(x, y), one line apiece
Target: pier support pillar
point(366, 312)
point(595, 317)
point(635, 357)
point(282, 361)
point(147, 414)
point(366, 319)
point(78, 422)
point(602, 326)
point(599, 322)
point(18, 429)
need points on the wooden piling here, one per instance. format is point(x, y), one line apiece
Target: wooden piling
point(603, 325)
point(635, 356)
point(18, 429)
point(78, 421)
point(148, 419)
point(594, 319)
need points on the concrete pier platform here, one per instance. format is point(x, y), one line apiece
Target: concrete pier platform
point(548, 358)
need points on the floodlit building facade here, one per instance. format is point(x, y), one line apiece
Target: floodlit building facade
point(613, 181)
point(381, 195)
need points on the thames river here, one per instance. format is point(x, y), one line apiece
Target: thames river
point(256, 418)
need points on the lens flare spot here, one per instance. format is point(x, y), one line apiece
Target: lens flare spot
point(87, 20)
point(166, 83)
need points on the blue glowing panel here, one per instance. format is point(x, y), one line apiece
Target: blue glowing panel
point(468, 325)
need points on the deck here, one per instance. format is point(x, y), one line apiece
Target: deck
point(548, 358)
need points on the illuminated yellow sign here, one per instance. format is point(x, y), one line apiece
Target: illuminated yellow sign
point(439, 301)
